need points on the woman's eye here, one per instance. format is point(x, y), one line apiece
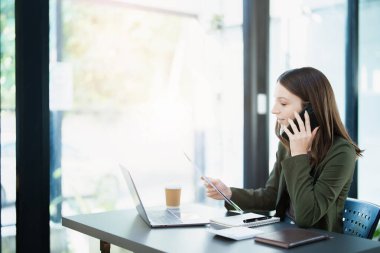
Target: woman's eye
point(283, 104)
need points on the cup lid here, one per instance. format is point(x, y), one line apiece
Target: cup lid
point(173, 186)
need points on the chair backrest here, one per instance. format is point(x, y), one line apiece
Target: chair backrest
point(360, 218)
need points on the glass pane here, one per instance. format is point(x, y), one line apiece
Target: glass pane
point(307, 33)
point(141, 86)
point(369, 100)
point(8, 128)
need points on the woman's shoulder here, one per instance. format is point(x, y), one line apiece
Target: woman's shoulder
point(341, 144)
point(341, 152)
point(339, 140)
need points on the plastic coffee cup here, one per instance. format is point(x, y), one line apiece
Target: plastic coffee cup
point(173, 196)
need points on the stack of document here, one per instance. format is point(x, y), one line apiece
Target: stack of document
point(236, 233)
point(243, 220)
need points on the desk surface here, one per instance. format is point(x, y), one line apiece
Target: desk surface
point(126, 229)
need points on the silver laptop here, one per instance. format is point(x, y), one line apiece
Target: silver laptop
point(162, 217)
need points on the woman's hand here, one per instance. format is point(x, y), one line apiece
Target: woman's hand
point(301, 140)
point(212, 193)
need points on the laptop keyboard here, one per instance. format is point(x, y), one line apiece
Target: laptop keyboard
point(164, 217)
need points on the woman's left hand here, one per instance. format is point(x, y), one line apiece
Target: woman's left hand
point(301, 140)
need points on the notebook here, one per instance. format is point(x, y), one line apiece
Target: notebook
point(291, 237)
point(161, 216)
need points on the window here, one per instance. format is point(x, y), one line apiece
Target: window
point(140, 85)
point(307, 33)
point(369, 94)
point(8, 128)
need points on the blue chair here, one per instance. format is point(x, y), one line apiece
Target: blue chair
point(360, 218)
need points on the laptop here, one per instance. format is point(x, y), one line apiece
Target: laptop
point(161, 216)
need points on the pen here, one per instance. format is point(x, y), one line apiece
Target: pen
point(256, 219)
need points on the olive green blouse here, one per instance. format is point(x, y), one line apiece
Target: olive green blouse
point(317, 195)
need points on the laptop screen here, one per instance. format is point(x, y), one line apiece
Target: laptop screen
point(136, 198)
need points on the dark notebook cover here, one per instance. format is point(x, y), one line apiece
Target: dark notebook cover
point(291, 237)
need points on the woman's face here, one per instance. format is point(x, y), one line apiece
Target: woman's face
point(286, 103)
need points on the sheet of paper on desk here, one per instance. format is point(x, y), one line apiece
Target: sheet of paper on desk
point(243, 220)
point(236, 233)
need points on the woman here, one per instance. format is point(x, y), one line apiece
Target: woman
point(313, 171)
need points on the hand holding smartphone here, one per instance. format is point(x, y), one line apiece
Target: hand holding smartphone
point(313, 121)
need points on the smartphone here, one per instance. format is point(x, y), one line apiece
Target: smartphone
point(313, 120)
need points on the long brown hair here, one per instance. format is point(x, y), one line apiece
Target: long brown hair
point(312, 86)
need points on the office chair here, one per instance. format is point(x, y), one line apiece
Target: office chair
point(360, 218)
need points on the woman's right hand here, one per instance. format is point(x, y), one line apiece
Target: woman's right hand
point(214, 194)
